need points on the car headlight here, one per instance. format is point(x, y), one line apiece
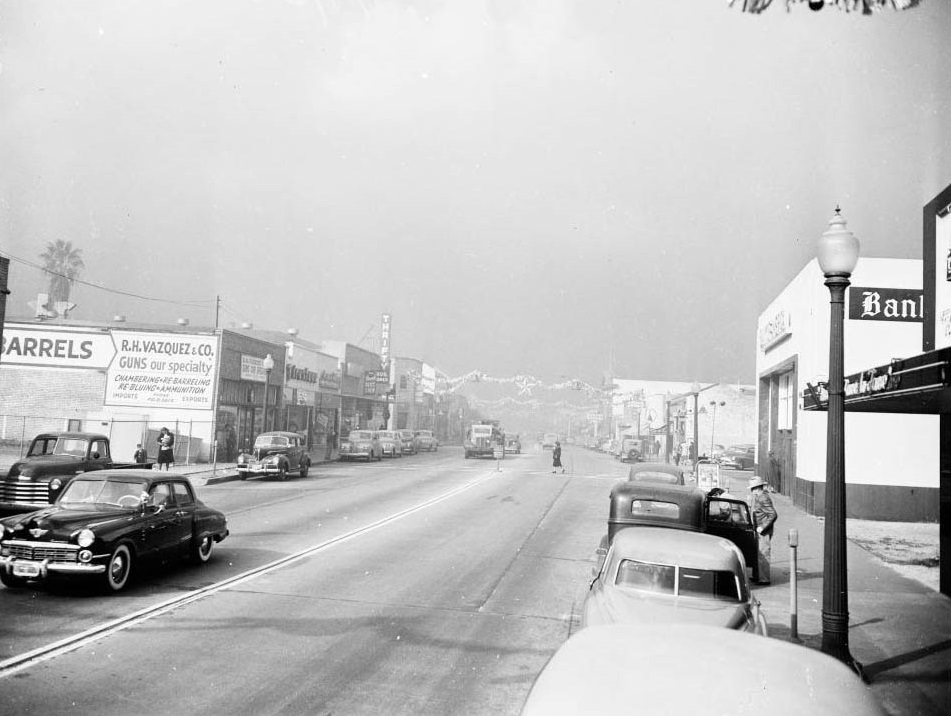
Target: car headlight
point(55, 484)
point(85, 537)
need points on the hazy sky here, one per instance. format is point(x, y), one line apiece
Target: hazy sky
point(538, 186)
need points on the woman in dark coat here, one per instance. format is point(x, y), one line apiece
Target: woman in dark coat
point(556, 458)
point(166, 455)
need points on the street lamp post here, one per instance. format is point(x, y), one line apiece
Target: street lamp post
point(695, 389)
point(268, 365)
point(713, 429)
point(838, 252)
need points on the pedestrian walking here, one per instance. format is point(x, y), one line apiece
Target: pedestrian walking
point(764, 517)
point(166, 455)
point(556, 458)
point(141, 455)
point(677, 451)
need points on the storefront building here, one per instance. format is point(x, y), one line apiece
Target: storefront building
point(241, 397)
point(891, 461)
point(363, 387)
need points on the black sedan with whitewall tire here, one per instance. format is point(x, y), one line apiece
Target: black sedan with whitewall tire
point(104, 525)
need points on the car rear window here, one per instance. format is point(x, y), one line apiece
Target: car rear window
point(650, 476)
point(646, 577)
point(656, 508)
point(359, 435)
point(706, 583)
point(678, 581)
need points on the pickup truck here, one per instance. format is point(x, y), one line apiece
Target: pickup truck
point(52, 461)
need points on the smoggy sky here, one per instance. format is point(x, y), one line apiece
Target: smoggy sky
point(552, 187)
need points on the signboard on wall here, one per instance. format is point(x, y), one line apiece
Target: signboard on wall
point(385, 341)
point(777, 328)
point(886, 304)
point(942, 280)
point(55, 347)
point(162, 370)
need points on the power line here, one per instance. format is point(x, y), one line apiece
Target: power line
point(197, 303)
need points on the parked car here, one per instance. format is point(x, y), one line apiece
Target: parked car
point(653, 575)
point(427, 441)
point(52, 460)
point(657, 472)
point(409, 441)
point(682, 507)
point(361, 444)
point(390, 443)
point(104, 524)
point(739, 457)
point(275, 453)
point(549, 440)
point(513, 444)
point(656, 670)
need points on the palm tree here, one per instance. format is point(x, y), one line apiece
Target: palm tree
point(62, 262)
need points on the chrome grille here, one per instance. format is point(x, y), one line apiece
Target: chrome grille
point(53, 551)
point(25, 493)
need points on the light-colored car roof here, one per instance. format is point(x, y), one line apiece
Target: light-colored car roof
point(666, 546)
point(655, 670)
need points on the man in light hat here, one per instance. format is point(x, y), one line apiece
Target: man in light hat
point(764, 517)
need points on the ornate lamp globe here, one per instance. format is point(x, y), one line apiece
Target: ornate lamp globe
point(837, 249)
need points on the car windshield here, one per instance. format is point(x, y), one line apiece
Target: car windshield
point(103, 491)
point(387, 434)
point(76, 447)
point(718, 584)
point(360, 435)
point(424, 433)
point(266, 441)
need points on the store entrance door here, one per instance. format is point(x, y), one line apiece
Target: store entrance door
point(245, 427)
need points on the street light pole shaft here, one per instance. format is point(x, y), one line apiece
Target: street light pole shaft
point(696, 433)
point(835, 597)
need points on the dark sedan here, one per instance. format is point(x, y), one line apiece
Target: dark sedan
point(105, 524)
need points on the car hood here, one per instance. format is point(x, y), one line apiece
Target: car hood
point(61, 522)
point(622, 606)
point(42, 464)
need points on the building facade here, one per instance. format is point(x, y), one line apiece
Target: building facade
point(891, 460)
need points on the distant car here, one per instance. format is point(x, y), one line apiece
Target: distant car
point(663, 669)
point(630, 450)
point(390, 443)
point(427, 441)
point(513, 444)
point(275, 453)
point(653, 575)
point(104, 524)
point(716, 453)
point(739, 457)
point(656, 472)
point(409, 441)
point(549, 440)
point(361, 444)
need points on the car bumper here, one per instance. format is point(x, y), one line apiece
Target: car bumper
point(346, 455)
point(258, 469)
point(33, 569)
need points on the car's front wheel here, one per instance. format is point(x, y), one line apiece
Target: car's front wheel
point(282, 472)
point(118, 568)
point(304, 468)
point(202, 548)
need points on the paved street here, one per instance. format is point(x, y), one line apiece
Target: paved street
point(432, 585)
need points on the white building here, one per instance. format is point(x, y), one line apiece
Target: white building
point(891, 459)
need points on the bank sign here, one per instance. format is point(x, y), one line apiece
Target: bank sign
point(886, 304)
point(142, 369)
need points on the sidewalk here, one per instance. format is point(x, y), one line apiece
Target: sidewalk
point(899, 630)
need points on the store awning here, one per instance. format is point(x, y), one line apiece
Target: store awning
point(919, 384)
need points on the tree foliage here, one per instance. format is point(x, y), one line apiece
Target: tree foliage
point(63, 263)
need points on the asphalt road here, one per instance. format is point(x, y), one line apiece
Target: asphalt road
point(428, 584)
